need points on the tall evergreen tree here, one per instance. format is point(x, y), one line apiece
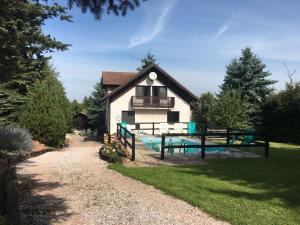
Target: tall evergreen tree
point(99, 7)
point(86, 103)
point(47, 112)
point(96, 110)
point(22, 49)
point(249, 75)
point(147, 60)
point(76, 107)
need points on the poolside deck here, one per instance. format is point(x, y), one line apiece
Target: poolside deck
point(147, 157)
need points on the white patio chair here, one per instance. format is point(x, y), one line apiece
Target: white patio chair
point(178, 128)
point(163, 128)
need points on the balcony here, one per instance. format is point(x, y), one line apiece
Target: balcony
point(152, 102)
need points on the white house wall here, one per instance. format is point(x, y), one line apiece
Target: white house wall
point(123, 103)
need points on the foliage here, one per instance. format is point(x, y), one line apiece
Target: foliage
point(15, 139)
point(86, 103)
point(47, 111)
point(248, 75)
point(281, 114)
point(96, 110)
point(22, 50)
point(242, 192)
point(100, 7)
point(231, 111)
point(113, 152)
point(149, 59)
point(76, 107)
point(203, 110)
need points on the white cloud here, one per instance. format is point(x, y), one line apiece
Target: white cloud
point(146, 34)
point(223, 29)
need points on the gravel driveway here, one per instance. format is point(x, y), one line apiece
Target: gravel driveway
point(74, 186)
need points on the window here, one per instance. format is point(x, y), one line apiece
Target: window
point(142, 91)
point(128, 117)
point(173, 116)
point(159, 91)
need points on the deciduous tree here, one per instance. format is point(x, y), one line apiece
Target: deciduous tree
point(231, 110)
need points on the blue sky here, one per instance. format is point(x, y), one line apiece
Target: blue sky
point(192, 40)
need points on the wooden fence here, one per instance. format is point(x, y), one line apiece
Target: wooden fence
point(124, 135)
point(263, 141)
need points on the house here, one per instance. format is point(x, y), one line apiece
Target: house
point(151, 95)
point(80, 121)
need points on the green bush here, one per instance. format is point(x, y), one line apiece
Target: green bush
point(281, 114)
point(231, 110)
point(47, 112)
point(112, 152)
point(15, 139)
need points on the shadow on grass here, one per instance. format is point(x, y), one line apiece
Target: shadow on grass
point(275, 177)
point(40, 209)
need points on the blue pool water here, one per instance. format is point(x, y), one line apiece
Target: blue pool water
point(154, 143)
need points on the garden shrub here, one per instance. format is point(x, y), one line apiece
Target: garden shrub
point(15, 139)
point(281, 114)
point(113, 152)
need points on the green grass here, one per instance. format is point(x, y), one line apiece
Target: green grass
point(240, 191)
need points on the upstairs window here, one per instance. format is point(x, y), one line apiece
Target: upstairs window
point(159, 91)
point(142, 91)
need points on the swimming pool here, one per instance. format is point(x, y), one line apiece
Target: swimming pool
point(154, 143)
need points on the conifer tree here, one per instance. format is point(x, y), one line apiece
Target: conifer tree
point(146, 61)
point(47, 113)
point(100, 7)
point(22, 50)
point(96, 109)
point(248, 74)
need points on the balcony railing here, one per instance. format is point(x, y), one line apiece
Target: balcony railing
point(152, 102)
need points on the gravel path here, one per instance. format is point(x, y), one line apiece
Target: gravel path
point(74, 186)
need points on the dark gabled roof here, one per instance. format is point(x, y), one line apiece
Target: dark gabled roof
point(80, 114)
point(162, 76)
point(116, 78)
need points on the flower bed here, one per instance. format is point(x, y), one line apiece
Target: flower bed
point(113, 152)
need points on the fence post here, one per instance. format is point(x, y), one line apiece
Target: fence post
point(162, 149)
point(153, 129)
point(227, 136)
point(133, 147)
point(118, 132)
point(203, 144)
point(267, 148)
point(124, 138)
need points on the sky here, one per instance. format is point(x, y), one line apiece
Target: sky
point(192, 40)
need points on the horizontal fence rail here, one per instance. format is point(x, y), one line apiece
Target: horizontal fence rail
point(123, 135)
point(228, 135)
point(153, 128)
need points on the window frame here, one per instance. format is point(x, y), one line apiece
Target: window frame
point(158, 92)
point(177, 118)
point(128, 111)
point(142, 86)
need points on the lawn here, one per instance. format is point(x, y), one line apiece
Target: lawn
point(240, 191)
